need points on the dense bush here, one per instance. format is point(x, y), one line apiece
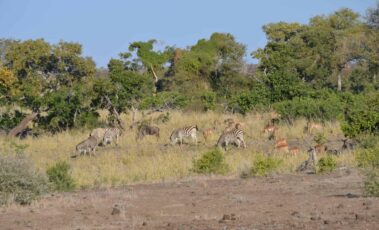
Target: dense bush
point(263, 165)
point(20, 182)
point(326, 164)
point(362, 115)
point(60, 177)
point(368, 158)
point(324, 108)
point(9, 120)
point(371, 184)
point(165, 100)
point(211, 162)
point(208, 100)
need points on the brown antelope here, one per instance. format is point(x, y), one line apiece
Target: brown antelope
point(270, 129)
point(313, 126)
point(320, 148)
point(294, 150)
point(282, 145)
point(208, 132)
point(232, 126)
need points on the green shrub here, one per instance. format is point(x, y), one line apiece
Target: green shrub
point(60, 177)
point(20, 182)
point(9, 120)
point(326, 164)
point(320, 138)
point(371, 184)
point(263, 165)
point(211, 162)
point(208, 100)
point(368, 158)
point(368, 141)
point(328, 108)
point(362, 115)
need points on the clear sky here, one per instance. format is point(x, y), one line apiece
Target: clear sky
point(106, 28)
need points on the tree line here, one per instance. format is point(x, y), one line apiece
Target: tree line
point(325, 69)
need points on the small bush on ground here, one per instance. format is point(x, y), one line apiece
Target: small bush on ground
point(211, 162)
point(326, 164)
point(371, 184)
point(60, 177)
point(263, 165)
point(368, 159)
point(20, 182)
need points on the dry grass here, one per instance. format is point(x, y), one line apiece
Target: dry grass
point(150, 160)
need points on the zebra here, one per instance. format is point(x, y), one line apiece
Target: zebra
point(233, 136)
point(99, 134)
point(178, 134)
point(86, 147)
point(147, 130)
point(111, 134)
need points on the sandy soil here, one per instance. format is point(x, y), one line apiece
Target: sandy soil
point(331, 201)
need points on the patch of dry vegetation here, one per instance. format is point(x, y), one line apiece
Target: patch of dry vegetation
point(150, 160)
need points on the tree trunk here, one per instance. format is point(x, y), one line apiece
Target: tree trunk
point(22, 125)
point(339, 83)
point(113, 111)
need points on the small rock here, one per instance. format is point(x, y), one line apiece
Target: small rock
point(116, 211)
point(340, 206)
point(226, 217)
point(144, 223)
point(359, 217)
point(326, 222)
point(367, 203)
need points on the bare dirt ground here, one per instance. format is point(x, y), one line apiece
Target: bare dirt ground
point(331, 201)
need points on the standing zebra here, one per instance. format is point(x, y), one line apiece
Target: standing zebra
point(233, 136)
point(178, 134)
point(110, 135)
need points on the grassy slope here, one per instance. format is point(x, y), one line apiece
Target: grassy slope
point(150, 160)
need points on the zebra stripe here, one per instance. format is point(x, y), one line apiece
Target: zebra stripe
point(178, 134)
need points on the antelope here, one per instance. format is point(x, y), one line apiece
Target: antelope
point(110, 135)
point(313, 126)
point(208, 132)
point(87, 146)
point(320, 148)
point(282, 145)
point(178, 134)
point(294, 150)
point(147, 130)
point(232, 126)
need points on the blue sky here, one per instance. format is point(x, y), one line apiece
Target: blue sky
point(106, 28)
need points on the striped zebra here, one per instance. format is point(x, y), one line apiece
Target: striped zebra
point(233, 136)
point(178, 134)
point(87, 146)
point(110, 135)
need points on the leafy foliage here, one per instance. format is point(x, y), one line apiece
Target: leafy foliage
point(263, 165)
point(211, 162)
point(326, 164)
point(59, 176)
point(20, 182)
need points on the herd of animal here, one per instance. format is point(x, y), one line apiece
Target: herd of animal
point(233, 134)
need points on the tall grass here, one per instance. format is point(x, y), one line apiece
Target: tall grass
point(150, 160)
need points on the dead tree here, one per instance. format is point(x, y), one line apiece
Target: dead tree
point(113, 111)
point(22, 125)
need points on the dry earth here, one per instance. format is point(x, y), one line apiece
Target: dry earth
point(332, 201)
